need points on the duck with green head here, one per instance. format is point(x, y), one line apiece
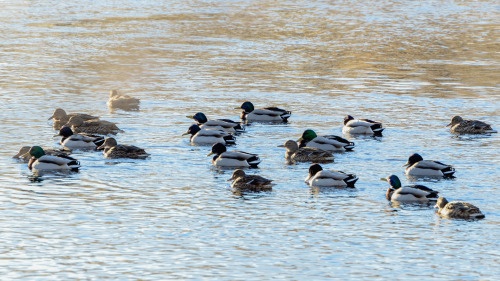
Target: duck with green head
point(418, 167)
point(329, 178)
point(235, 158)
point(327, 142)
point(80, 141)
point(361, 126)
point(267, 114)
point(226, 125)
point(408, 194)
point(43, 162)
point(23, 154)
point(208, 137)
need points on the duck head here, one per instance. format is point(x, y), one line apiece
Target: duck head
point(193, 129)
point(108, 143)
point(217, 149)
point(74, 121)
point(199, 117)
point(238, 173)
point(455, 120)
point(36, 151)
point(247, 107)
point(290, 145)
point(58, 114)
point(65, 132)
point(313, 170)
point(308, 135)
point(441, 202)
point(113, 93)
point(393, 180)
point(348, 118)
point(414, 158)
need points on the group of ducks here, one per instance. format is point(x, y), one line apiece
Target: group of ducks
point(86, 132)
point(80, 131)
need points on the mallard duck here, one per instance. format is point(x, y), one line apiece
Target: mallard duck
point(113, 150)
point(79, 141)
point(99, 127)
point(361, 126)
point(328, 142)
point(43, 162)
point(329, 178)
point(226, 125)
point(24, 156)
point(243, 181)
point(208, 137)
point(418, 167)
point(408, 194)
point(458, 209)
point(267, 114)
point(305, 154)
point(235, 158)
point(122, 101)
point(460, 126)
point(61, 117)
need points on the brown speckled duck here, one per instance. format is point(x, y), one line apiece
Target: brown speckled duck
point(460, 126)
point(113, 150)
point(458, 209)
point(122, 101)
point(99, 127)
point(305, 154)
point(242, 181)
point(61, 117)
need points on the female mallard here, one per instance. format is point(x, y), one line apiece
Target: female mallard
point(122, 101)
point(328, 142)
point(361, 126)
point(61, 117)
point(79, 141)
point(235, 158)
point(267, 114)
point(460, 126)
point(458, 209)
point(24, 156)
point(112, 150)
point(99, 127)
point(43, 162)
point(305, 154)
point(418, 167)
point(243, 181)
point(329, 178)
point(408, 194)
point(225, 125)
point(208, 137)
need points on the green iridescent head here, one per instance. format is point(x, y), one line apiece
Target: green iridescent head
point(247, 107)
point(393, 180)
point(36, 152)
point(308, 135)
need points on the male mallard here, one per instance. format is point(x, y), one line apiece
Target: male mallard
point(208, 137)
point(61, 117)
point(79, 141)
point(235, 158)
point(418, 167)
point(361, 126)
point(100, 127)
point(328, 142)
point(458, 209)
point(226, 125)
point(329, 178)
point(113, 150)
point(122, 101)
point(43, 162)
point(24, 156)
point(460, 126)
point(267, 114)
point(408, 194)
point(305, 154)
point(243, 181)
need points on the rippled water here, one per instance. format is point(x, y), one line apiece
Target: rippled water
point(410, 64)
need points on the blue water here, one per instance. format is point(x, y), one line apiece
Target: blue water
point(409, 64)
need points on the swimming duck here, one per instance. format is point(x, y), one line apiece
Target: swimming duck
point(122, 101)
point(243, 181)
point(460, 126)
point(267, 114)
point(226, 125)
point(43, 162)
point(235, 158)
point(458, 209)
point(418, 167)
point(361, 126)
point(329, 178)
point(24, 156)
point(61, 117)
point(328, 142)
point(208, 137)
point(305, 154)
point(113, 150)
point(99, 127)
point(408, 194)
point(79, 141)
